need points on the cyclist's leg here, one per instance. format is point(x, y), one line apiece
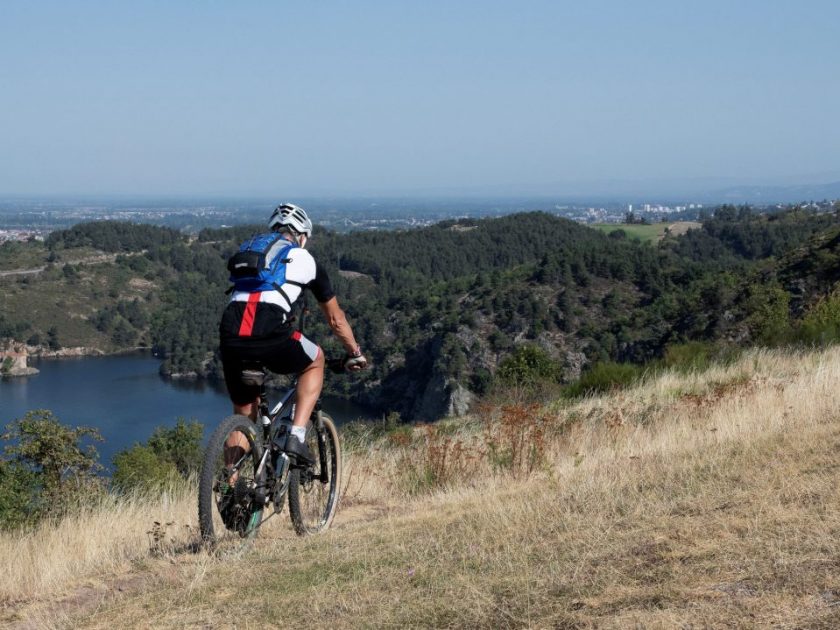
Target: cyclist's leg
point(302, 356)
point(245, 400)
point(248, 410)
point(236, 446)
point(310, 381)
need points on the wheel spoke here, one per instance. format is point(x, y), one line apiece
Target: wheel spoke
point(313, 502)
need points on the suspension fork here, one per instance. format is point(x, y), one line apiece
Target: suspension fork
point(323, 474)
point(262, 412)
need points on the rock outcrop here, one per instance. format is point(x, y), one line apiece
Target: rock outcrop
point(442, 397)
point(13, 360)
point(43, 352)
point(418, 388)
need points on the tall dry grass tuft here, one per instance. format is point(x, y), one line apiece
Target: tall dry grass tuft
point(440, 459)
point(762, 392)
point(104, 536)
point(516, 439)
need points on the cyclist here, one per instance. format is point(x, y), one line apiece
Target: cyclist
point(256, 327)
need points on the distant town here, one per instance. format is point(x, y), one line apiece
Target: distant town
point(22, 220)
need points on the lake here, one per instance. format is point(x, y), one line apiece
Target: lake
point(125, 398)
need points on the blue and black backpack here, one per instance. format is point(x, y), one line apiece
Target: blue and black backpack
point(260, 264)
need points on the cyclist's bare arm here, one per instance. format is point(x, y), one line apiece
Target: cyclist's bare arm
point(339, 325)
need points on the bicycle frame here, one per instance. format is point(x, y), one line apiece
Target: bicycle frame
point(271, 430)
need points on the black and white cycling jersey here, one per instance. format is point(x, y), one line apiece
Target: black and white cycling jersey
point(264, 314)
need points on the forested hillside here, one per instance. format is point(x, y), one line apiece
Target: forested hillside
point(440, 309)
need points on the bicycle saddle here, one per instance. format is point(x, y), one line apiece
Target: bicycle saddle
point(253, 376)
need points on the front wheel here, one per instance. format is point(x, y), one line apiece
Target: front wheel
point(314, 490)
point(229, 491)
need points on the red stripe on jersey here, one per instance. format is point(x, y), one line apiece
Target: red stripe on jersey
point(247, 325)
point(296, 335)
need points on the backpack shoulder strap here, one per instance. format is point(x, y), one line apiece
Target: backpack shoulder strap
point(283, 258)
point(278, 253)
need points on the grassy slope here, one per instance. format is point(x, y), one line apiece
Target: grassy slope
point(647, 233)
point(704, 500)
point(15, 255)
point(48, 299)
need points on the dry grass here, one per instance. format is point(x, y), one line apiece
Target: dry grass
point(101, 538)
point(702, 500)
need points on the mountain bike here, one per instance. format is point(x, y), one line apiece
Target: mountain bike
point(245, 472)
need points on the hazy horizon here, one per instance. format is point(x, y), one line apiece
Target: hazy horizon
point(376, 99)
point(710, 190)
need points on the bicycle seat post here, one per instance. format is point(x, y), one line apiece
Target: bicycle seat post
point(263, 400)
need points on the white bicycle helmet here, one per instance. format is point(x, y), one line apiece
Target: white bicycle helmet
point(292, 216)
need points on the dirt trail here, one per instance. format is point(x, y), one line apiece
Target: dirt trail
point(22, 272)
point(90, 260)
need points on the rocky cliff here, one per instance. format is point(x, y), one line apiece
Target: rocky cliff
point(13, 360)
point(418, 388)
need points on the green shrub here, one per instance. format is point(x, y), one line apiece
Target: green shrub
point(821, 324)
point(481, 380)
point(141, 468)
point(168, 453)
point(18, 499)
point(690, 356)
point(694, 356)
point(180, 445)
point(604, 377)
point(52, 339)
point(528, 364)
point(49, 461)
point(768, 314)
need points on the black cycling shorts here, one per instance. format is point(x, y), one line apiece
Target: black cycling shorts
point(289, 355)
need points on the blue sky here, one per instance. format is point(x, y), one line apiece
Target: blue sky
point(380, 98)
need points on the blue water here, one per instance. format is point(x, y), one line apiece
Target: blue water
point(125, 398)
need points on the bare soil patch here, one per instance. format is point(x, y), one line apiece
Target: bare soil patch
point(355, 275)
point(681, 227)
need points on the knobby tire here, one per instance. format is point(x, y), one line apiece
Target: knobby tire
point(313, 504)
point(213, 529)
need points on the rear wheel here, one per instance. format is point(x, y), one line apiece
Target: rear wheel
point(313, 491)
point(228, 505)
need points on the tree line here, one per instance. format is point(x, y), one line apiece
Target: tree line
point(454, 300)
